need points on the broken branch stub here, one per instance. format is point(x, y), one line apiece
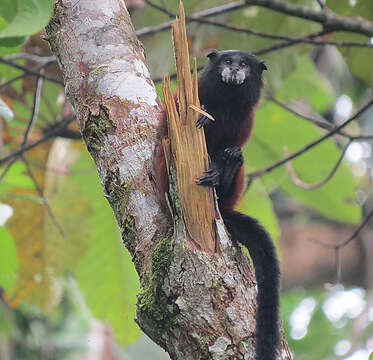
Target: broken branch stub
point(188, 146)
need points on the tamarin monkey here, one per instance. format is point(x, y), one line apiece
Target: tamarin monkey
point(229, 90)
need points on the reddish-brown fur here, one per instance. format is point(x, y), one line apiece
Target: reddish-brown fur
point(239, 137)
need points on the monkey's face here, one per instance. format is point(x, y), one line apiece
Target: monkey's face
point(235, 67)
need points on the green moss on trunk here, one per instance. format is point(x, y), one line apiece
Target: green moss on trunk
point(155, 301)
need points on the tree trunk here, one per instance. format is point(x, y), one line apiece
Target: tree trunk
point(195, 304)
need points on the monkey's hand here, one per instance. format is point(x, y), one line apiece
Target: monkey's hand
point(203, 120)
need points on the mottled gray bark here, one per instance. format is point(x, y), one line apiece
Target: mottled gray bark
point(195, 305)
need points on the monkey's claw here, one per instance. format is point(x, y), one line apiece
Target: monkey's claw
point(233, 154)
point(211, 178)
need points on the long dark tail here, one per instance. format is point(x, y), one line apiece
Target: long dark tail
point(255, 238)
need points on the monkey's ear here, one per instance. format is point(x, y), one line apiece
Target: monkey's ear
point(263, 65)
point(212, 54)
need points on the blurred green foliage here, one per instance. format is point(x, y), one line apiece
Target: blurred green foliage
point(93, 253)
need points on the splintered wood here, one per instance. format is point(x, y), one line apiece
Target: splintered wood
point(188, 146)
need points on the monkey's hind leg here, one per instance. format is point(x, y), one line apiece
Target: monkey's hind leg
point(231, 163)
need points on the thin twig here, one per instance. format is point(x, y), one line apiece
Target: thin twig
point(337, 247)
point(324, 124)
point(34, 115)
point(31, 57)
point(295, 179)
point(55, 130)
point(37, 69)
point(201, 14)
point(338, 265)
point(349, 239)
point(12, 80)
point(289, 43)
point(35, 110)
point(45, 201)
point(321, 4)
point(30, 72)
point(309, 146)
point(357, 231)
point(7, 168)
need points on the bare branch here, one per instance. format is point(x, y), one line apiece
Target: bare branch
point(31, 57)
point(51, 133)
point(357, 231)
point(354, 235)
point(337, 247)
point(7, 168)
point(288, 43)
point(322, 123)
point(201, 14)
point(292, 40)
point(45, 201)
point(305, 186)
point(321, 4)
point(338, 265)
point(37, 69)
point(31, 72)
point(34, 114)
point(328, 19)
point(35, 110)
point(309, 146)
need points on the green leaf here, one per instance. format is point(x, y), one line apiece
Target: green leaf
point(106, 274)
point(363, 9)
point(276, 128)
point(16, 177)
point(8, 261)
point(371, 356)
point(306, 83)
point(31, 16)
point(359, 60)
point(8, 9)
point(280, 63)
point(12, 41)
point(5, 111)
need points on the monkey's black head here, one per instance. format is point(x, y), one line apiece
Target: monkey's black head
point(236, 67)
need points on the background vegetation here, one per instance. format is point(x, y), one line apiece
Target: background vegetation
point(67, 284)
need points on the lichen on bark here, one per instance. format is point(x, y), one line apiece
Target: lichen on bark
point(95, 129)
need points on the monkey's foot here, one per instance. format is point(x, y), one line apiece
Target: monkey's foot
point(211, 178)
point(234, 154)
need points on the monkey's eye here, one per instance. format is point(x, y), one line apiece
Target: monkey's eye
point(243, 63)
point(228, 61)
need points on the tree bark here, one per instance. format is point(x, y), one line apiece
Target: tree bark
point(194, 304)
